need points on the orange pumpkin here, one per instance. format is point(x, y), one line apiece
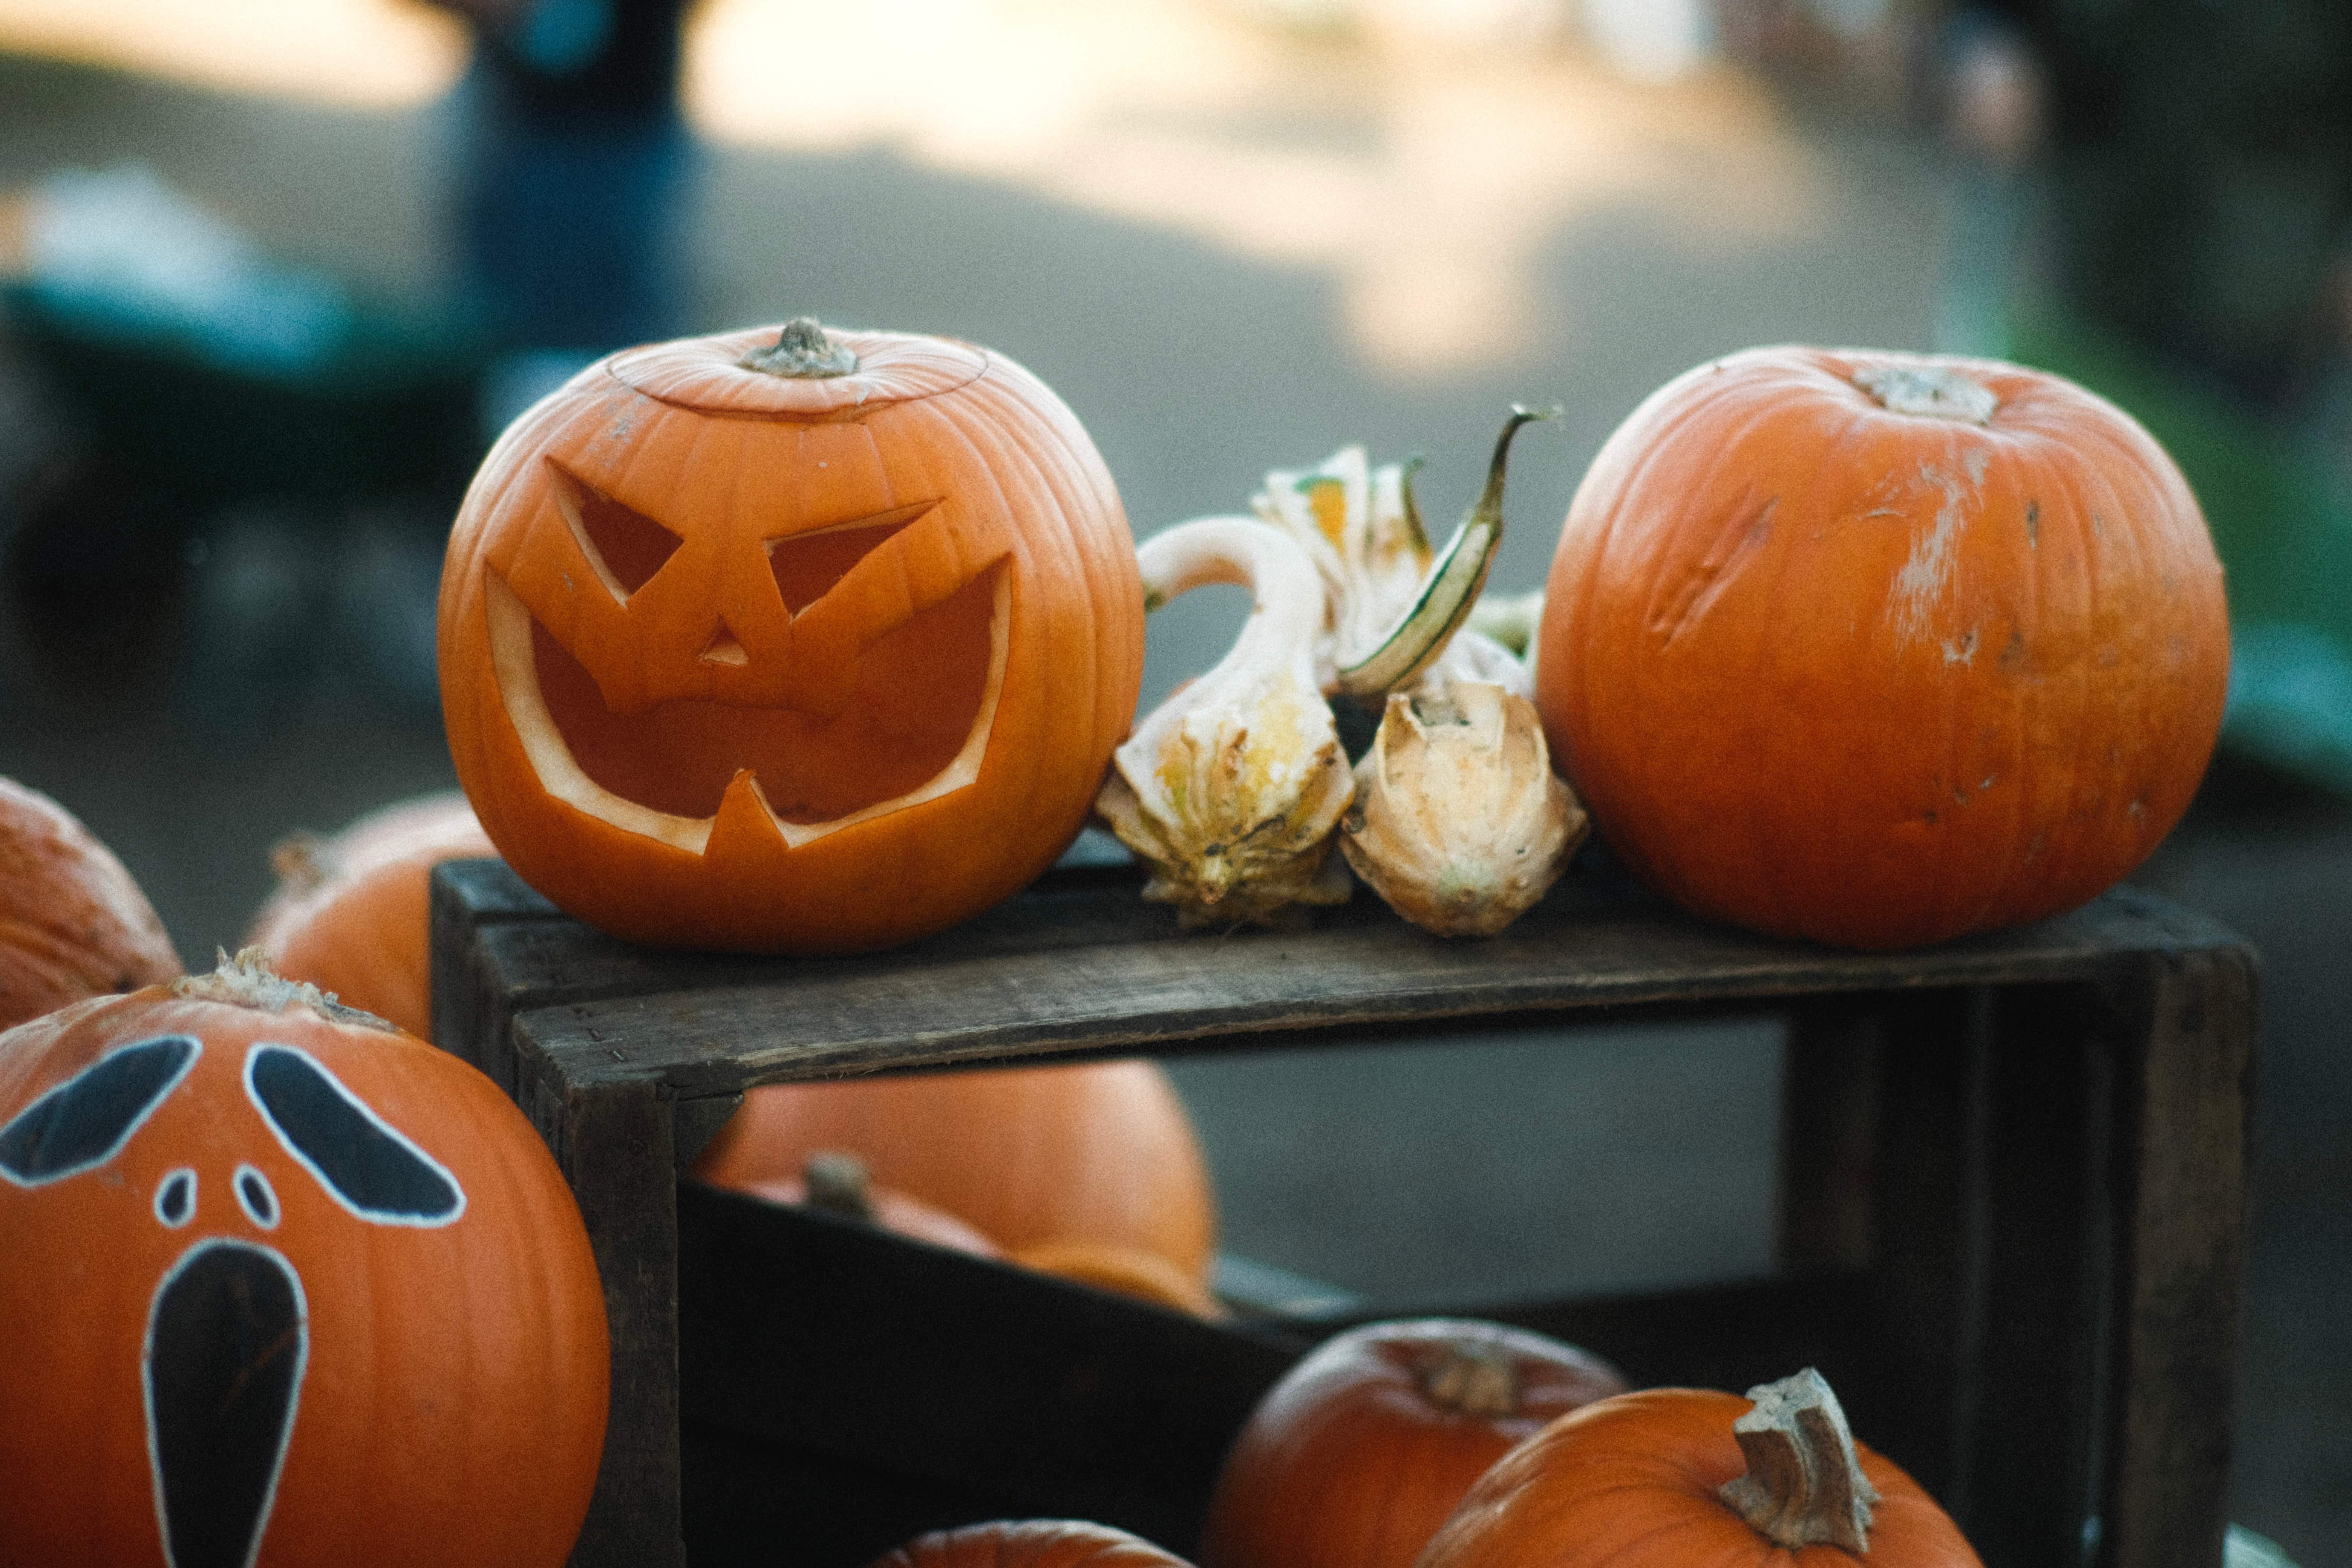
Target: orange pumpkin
point(837, 1183)
point(72, 921)
point(351, 913)
point(1639, 1481)
point(1030, 1543)
point(742, 649)
point(283, 1286)
point(1101, 1152)
point(1878, 649)
point(1357, 1456)
point(1123, 1271)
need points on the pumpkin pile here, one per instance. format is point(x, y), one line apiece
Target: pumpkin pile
point(1458, 1444)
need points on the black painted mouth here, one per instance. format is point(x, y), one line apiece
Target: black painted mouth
point(228, 1341)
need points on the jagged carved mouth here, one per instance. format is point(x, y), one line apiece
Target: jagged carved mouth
point(915, 726)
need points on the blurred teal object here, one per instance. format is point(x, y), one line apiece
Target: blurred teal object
point(215, 372)
point(2281, 512)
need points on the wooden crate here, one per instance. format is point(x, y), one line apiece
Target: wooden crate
point(2011, 1212)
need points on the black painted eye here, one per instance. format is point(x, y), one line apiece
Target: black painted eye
point(368, 1166)
point(175, 1196)
point(254, 1196)
point(84, 1121)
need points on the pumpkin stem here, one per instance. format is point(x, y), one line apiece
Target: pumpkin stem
point(1804, 1484)
point(839, 1184)
point(1473, 1380)
point(802, 352)
point(299, 862)
point(248, 980)
point(1928, 391)
point(1448, 589)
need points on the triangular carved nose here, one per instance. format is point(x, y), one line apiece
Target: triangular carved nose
point(725, 647)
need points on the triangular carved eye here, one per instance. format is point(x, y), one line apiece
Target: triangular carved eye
point(625, 547)
point(807, 565)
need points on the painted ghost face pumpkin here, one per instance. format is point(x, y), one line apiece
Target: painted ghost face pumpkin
point(283, 1289)
point(753, 660)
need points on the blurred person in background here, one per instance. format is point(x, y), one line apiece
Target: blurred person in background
point(574, 170)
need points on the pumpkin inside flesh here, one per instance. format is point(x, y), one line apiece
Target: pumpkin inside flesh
point(1357, 1456)
point(1880, 649)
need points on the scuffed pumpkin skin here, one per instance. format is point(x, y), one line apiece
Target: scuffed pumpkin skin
point(923, 719)
point(1825, 670)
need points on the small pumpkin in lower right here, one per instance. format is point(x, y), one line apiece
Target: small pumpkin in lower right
point(1674, 1476)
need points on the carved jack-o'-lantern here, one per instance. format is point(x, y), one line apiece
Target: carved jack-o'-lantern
point(282, 1286)
point(811, 645)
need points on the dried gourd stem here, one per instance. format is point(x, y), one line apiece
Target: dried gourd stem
point(1471, 1379)
point(1453, 585)
point(1804, 1485)
point(838, 1184)
point(802, 352)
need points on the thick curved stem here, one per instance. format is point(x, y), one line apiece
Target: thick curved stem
point(1287, 603)
point(1451, 586)
point(1804, 1485)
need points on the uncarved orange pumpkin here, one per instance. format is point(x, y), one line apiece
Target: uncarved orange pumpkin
point(351, 911)
point(283, 1286)
point(744, 659)
point(1101, 1152)
point(1879, 648)
point(1634, 1481)
point(73, 923)
point(1030, 1543)
point(1357, 1456)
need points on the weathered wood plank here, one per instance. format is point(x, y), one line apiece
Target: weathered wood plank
point(470, 1008)
point(613, 1141)
point(1927, 1225)
point(2185, 1100)
point(887, 1012)
point(2030, 1427)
